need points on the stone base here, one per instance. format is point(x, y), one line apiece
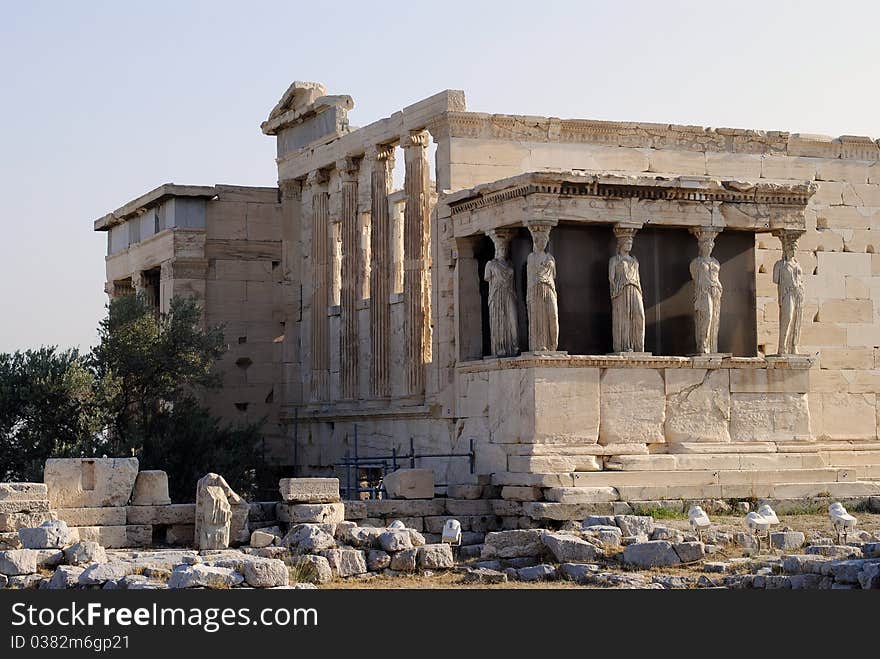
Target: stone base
point(633, 354)
point(117, 537)
point(114, 516)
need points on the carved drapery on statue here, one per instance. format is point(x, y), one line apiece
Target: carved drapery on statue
point(706, 275)
point(627, 307)
point(541, 298)
point(789, 280)
point(502, 298)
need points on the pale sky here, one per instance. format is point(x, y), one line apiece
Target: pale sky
point(103, 101)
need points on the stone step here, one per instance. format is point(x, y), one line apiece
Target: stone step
point(708, 461)
point(748, 490)
point(851, 458)
point(709, 477)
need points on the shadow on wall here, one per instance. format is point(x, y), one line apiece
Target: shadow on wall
point(664, 255)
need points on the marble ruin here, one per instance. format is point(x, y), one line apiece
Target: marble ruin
point(607, 311)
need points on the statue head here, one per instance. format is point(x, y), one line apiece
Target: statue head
point(500, 243)
point(540, 237)
point(789, 244)
point(624, 239)
point(706, 245)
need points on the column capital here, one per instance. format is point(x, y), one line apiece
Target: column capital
point(291, 188)
point(501, 233)
point(349, 168)
point(380, 152)
point(415, 139)
point(705, 233)
point(626, 229)
point(316, 177)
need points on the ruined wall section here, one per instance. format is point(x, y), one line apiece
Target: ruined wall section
point(243, 292)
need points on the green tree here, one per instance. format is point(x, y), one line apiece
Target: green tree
point(154, 368)
point(48, 408)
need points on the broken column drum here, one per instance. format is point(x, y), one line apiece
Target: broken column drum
point(502, 299)
point(627, 307)
point(542, 302)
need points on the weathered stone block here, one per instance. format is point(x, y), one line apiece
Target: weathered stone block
point(403, 508)
point(689, 552)
point(464, 491)
point(41, 506)
point(581, 494)
point(355, 510)
point(654, 553)
point(346, 562)
point(13, 521)
point(265, 573)
point(435, 557)
point(48, 535)
point(563, 511)
point(769, 417)
point(23, 492)
point(150, 489)
point(307, 538)
point(66, 576)
point(179, 513)
point(514, 543)
point(83, 553)
point(697, 405)
point(181, 535)
point(378, 560)
point(139, 535)
point(93, 516)
point(536, 573)
point(203, 576)
point(410, 484)
point(787, 540)
point(313, 569)
point(310, 513)
point(18, 561)
point(89, 482)
point(633, 406)
point(570, 549)
point(309, 490)
point(111, 537)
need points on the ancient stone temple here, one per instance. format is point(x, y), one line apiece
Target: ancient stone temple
point(607, 310)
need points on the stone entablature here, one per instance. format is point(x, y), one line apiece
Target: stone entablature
point(605, 198)
point(478, 125)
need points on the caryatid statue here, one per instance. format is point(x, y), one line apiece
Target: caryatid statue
point(789, 280)
point(541, 296)
point(502, 298)
point(706, 273)
point(627, 307)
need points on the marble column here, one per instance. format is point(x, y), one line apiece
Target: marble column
point(789, 280)
point(382, 160)
point(416, 272)
point(291, 287)
point(468, 312)
point(706, 275)
point(319, 256)
point(348, 340)
point(541, 298)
